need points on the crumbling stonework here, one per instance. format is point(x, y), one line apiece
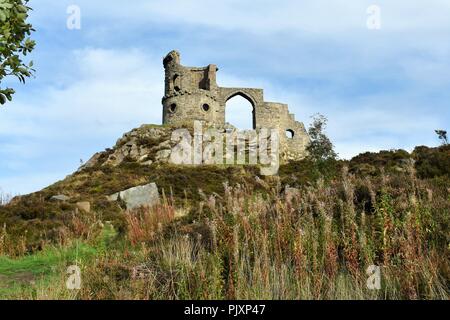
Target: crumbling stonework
point(192, 93)
point(146, 145)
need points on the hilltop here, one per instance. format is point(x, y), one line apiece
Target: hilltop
point(141, 157)
point(308, 232)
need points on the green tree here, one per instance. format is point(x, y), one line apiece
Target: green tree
point(442, 134)
point(15, 44)
point(320, 147)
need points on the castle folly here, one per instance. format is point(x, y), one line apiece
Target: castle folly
point(192, 93)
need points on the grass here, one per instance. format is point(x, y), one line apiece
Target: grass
point(226, 233)
point(21, 276)
point(249, 243)
point(35, 220)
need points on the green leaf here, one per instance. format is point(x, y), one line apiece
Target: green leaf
point(22, 8)
point(15, 43)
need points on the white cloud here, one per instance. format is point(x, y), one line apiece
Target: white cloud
point(102, 93)
point(115, 88)
point(116, 91)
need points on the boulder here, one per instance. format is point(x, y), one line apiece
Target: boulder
point(91, 162)
point(60, 197)
point(84, 205)
point(165, 145)
point(135, 197)
point(147, 163)
point(163, 155)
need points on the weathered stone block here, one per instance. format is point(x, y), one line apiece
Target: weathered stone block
point(146, 196)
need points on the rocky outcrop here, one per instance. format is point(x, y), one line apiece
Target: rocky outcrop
point(151, 144)
point(145, 145)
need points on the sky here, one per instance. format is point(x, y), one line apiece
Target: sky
point(383, 88)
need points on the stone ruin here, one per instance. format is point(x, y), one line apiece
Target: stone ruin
point(192, 93)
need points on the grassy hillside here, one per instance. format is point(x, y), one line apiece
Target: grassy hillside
point(225, 232)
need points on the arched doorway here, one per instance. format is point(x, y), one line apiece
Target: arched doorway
point(290, 133)
point(240, 112)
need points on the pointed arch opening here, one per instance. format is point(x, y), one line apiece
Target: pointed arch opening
point(240, 111)
point(290, 133)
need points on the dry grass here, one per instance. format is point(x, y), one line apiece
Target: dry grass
point(316, 244)
point(145, 223)
point(312, 244)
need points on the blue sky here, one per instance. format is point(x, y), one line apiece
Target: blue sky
point(380, 89)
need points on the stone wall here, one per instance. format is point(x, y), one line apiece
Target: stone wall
point(192, 93)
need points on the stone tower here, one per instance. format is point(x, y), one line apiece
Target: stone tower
point(192, 93)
